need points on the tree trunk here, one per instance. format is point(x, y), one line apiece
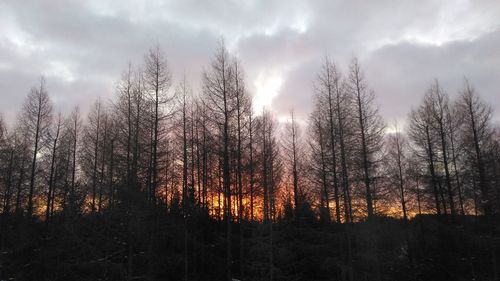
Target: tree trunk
point(33, 162)
point(51, 176)
point(94, 171)
point(431, 169)
point(334, 154)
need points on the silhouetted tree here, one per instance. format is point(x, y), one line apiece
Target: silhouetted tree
point(369, 128)
point(218, 90)
point(476, 135)
point(398, 166)
point(157, 78)
point(36, 119)
point(55, 138)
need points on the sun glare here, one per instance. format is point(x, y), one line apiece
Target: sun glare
point(267, 86)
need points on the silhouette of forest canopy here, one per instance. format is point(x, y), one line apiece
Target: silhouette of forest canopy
point(166, 183)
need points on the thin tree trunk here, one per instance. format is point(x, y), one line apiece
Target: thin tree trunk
point(333, 149)
point(239, 171)
point(192, 192)
point(94, 171)
point(20, 186)
point(364, 152)
point(33, 162)
point(103, 162)
point(73, 170)
point(345, 175)
point(111, 172)
point(295, 174)
point(325, 196)
point(431, 169)
point(457, 175)
point(251, 169)
point(418, 198)
point(226, 176)
point(129, 125)
point(479, 159)
point(446, 169)
point(8, 187)
point(51, 176)
point(401, 181)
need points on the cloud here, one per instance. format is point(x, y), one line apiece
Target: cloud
point(401, 73)
point(83, 46)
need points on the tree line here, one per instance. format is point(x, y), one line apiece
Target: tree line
point(445, 160)
point(210, 155)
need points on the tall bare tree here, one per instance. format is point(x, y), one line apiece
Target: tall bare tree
point(328, 87)
point(75, 125)
point(454, 121)
point(50, 192)
point(251, 164)
point(93, 137)
point(398, 166)
point(476, 134)
point(437, 101)
point(293, 148)
point(424, 146)
point(158, 79)
point(369, 128)
point(217, 88)
point(36, 118)
point(318, 152)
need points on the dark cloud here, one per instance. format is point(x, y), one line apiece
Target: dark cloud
point(83, 46)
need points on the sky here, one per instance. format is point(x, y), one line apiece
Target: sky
point(82, 47)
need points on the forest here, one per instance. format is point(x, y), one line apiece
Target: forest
point(162, 182)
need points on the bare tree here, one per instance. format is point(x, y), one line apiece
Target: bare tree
point(217, 88)
point(271, 173)
point(293, 148)
point(476, 133)
point(437, 101)
point(369, 128)
point(125, 111)
point(139, 115)
point(158, 79)
point(318, 152)
point(242, 109)
point(36, 118)
point(424, 145)
point(251, 163)
point(454, 121)
point(92, 137)
point(398, 165)
point(102, 146)
point(75, 125)
point(7, 162)
point(328, 87)
point(55, 139)
point(21, 147)
point(183, 94)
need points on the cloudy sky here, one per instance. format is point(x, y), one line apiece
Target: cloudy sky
point(82, 47)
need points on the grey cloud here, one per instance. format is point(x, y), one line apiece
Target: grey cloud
point(82, 47)
point(401, 73)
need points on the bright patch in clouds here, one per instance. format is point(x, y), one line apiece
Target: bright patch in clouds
point(391, 130)
point(61, 70)
point(300, 24)
point(267, 86)
point(397, 126)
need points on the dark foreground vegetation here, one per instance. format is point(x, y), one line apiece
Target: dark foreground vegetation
point(124, 245)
